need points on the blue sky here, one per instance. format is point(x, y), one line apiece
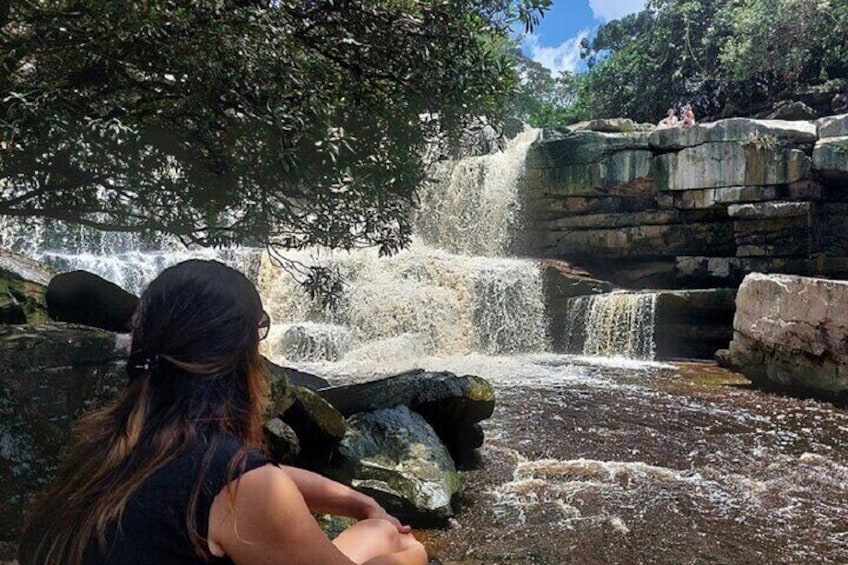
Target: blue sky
point(556, 42)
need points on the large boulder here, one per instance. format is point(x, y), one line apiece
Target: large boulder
point(791, 332)
point(791, 110)
point(396, 457)
point(84, 298)
point(833, 126)
point(26, 268)
point(452, 405)
point(310, 341)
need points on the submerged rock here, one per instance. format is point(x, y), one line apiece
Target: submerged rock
point(396, 457)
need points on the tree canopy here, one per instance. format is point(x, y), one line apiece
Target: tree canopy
point(725, 57)
point(227, 121)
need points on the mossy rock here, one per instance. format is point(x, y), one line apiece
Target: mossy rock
point(21, 301)
point(394, 456)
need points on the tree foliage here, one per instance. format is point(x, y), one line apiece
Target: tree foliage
point(726, 57)
point(225, 121)
point(542, 99)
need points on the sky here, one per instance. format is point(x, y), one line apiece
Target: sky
point(555, 43)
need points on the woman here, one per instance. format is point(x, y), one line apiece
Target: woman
point(172, 472)
point(670, 120)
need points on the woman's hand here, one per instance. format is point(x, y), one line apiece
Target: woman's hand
point(373, 510)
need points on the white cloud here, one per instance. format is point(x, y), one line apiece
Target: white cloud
point(606, 10)
point(563, 57)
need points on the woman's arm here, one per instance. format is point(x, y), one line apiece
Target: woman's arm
point(326, 496)
point(265, 520)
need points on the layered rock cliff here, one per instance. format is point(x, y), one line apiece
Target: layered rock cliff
point(692, 207)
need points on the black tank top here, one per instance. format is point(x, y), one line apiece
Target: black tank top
point(153, 528)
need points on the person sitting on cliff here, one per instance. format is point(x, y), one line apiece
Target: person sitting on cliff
point(670, 120)
point(173, 471)
point(688, 116)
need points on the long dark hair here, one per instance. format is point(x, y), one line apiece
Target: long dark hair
point(194, 363)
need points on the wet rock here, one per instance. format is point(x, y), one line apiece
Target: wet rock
point(584, 162)
point(318, 425)
point(33, 348)
point(281, 395)
point(28, 458)
point(282, 441)
point(396, 457)
point(563, 281)
point(49, 375)
point(693, 323)
point(722, 197)
point(314, 342)
point(706, 272)
point(792, 332)
point(296, 377)
point(25, 267)
point(21, 301)
point(85, 298)
point(451, 404)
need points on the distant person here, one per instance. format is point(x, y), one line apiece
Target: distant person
point(688, 116)
point(670, 120)
point(173, 471)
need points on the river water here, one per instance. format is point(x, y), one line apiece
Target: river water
point(589, 462)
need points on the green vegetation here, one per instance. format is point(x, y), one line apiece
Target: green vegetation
point(725, 57)
point(229, 121)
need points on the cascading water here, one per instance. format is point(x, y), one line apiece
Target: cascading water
point(614, 324)
point(451, 293)
point(126, 259)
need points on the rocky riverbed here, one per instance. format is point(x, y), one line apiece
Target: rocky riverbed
point(651, 464)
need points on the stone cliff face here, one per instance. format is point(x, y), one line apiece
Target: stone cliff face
point(692, 207)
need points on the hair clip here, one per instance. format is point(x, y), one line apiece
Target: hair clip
point(140, 364)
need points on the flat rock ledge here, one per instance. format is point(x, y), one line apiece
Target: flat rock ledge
point(791, 333)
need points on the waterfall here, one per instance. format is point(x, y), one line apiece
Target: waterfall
point(452, 292)
point(422, 301)
point(615, 324)
point(472, 206)
point(126, 259)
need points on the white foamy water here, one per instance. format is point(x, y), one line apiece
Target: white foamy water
point(126, 259)
point(425, 300)
point(472, 208)
point(617, 324)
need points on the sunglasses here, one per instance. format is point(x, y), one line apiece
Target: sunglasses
point(264, 325)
